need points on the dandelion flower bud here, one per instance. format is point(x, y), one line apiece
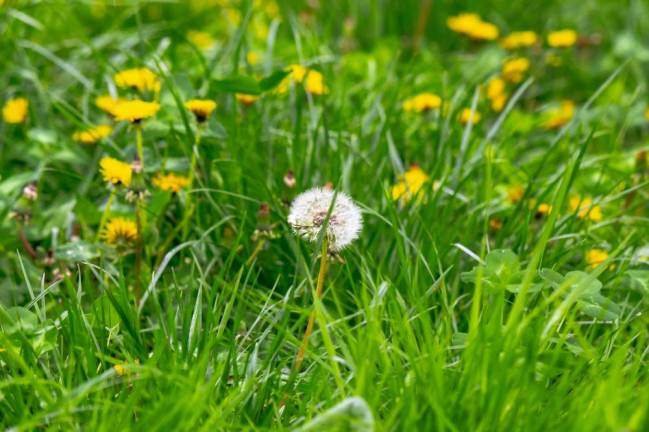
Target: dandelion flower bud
point(30, 192)
point(309, 211)
point(289, 179)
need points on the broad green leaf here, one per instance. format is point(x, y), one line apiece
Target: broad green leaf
point(22, 320)
point(273, 80)
point(238, 84)
point(86, 211)
point(77, 251)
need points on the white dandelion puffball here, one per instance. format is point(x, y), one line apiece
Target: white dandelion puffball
point(309, 211)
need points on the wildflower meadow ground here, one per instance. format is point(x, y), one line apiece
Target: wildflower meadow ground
point(309, 215)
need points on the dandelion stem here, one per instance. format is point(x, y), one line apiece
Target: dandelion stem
point(324, 266)
point(192, 168)
point(258, 248)
point(138, 253)
point(140, 145)
point(104, 215)
point(26, 244)
point(189, 208)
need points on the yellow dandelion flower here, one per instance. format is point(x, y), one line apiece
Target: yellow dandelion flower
point(595, 257)
point(200, 39)
point(646, 114)
point(143, 79)
point(313, 80)
point(543, 209)
point(170, 182)
point(496, 93)
point(201, 108)
point(92, 135)
point(135, 111)
point(515, 193)
point(471, 25)
point(495, 224)
point(314, 83)
point(298, 72)
point(521, 39)
point(498, 102)
point(247, 99)
point(495, 87)
point(107, 103)
point(561, 116)
point(585, 209)
point(562, 38)
point(514, 69)
point(115, 171)
point(119, 230)
point(120, 370)
point(422, 102)
point(466, 116)
point(409, 184)
point(15, 110)
point(252, 58)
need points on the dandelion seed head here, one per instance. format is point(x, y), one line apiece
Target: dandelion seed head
point(309, 212)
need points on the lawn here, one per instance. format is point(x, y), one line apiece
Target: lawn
point(309, 215)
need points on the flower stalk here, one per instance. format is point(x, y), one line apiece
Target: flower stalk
point(138, 253)
point(139, 143)
point(324, 267)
